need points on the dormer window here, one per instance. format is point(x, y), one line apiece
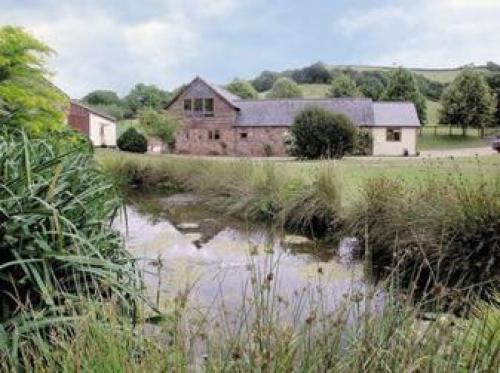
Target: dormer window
point(208, 107)
point(199, 107)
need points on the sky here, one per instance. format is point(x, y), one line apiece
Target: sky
point(114, 44)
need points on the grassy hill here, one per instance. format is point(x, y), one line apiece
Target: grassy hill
point(438, 75)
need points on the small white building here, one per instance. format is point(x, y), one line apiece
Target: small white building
point(395, 128)
point(99, 127)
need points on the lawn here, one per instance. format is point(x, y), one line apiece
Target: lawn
point(351, 172)
point(429, 141)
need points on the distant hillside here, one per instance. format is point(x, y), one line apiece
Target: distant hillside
point(444, 75)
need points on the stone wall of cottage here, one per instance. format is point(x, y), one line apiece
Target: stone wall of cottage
point(238, 141)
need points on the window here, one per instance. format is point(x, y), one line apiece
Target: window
point(214, 135)
point(209, 107)
point(198, 106)
point(243, 135)
point(393, 134)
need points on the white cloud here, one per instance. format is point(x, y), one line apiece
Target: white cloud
point(429, 33)
point(97, 46)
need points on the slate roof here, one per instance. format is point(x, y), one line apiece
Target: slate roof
point(400, 114)
point(281, 112)
point(94, 111)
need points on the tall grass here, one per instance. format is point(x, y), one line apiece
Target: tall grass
point(57, 248)
point(269, 332)
point(443, 236)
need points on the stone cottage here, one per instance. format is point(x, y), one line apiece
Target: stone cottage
point(216, 122)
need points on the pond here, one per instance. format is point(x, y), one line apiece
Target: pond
point(184, 248)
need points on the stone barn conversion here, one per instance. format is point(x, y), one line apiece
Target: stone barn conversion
point(99, 127)
point(216, 122)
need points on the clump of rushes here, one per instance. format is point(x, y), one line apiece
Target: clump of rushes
point(273, 331)
point(441, 237)
point(58, 249)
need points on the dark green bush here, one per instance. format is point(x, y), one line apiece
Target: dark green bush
point(320, 133)
point(133, 141)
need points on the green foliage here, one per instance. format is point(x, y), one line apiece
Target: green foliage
point(403, 87)
point(317, 73)
point(468, 102)
point(242, 88)
point(145, 96)
point(285, 88)
point(27, 99)
point(132, 141)
point(265, 81)
point(159, 124)
point(344, 86)
point(371, 86)
point(320, 133)
point(364, 142)
point(58, 249)
point(492, 66)
point(102, 97)
point(116, 111)
point(494, 83)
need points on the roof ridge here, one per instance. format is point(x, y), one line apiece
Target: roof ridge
point(307, 99)
point(393, 102)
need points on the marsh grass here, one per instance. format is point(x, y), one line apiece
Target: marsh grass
point(444, 235)
point(57, 248)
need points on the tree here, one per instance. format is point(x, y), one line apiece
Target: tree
point(316, 73)
point(344, 86)
point(285, 88)
point(242, 88)
point(132, 141)
point(27, 99)
point(371, 87)
point(492, 66)
point(102, 97)
point(265, 81)
point(494, 83)
point(468, 102)
point(403, 87)
point(159, 124)
point(317, 133)
point(142, 96)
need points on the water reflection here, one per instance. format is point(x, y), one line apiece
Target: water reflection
point(215, 259)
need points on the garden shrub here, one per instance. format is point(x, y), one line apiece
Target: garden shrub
point(364, 142)
point(133, 141)
point(320, 133)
